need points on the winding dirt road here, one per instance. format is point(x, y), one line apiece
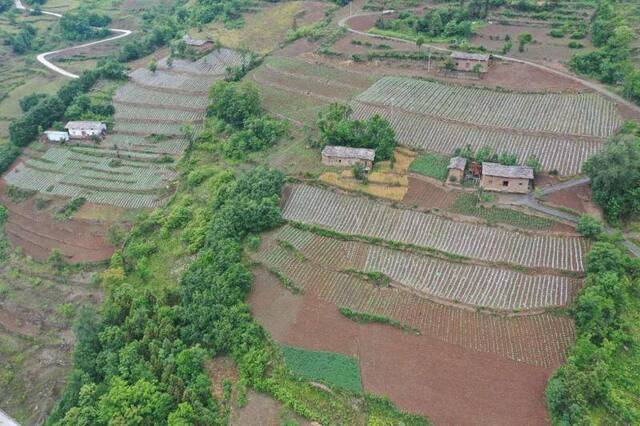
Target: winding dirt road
point(42, 58)
point(590, 84)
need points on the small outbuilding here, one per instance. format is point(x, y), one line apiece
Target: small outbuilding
point(463, 61)
point(56, 136)
point(456, 168)
point(198, 44)
point(496, 177)
point(86, 129)
point(346, 156)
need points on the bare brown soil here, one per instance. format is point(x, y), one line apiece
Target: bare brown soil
point(38, 233)
point(552, 51)
point(426, 195)
point(420, 374)
point(577, 198)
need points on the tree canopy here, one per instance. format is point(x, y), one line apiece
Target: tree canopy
point(615, 177)
point(337, 128)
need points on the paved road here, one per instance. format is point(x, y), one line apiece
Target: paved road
point(42, 58)
point(5, 420)
point(590, 84)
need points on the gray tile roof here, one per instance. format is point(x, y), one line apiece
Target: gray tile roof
point(348, 152)
point(457, 163)
point(84, 125)
point(498, 170)
point(470, 56)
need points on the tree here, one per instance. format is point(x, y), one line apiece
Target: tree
point(233, 102)
point(534, 163)
point(523, 40)
point(359, 172)
point(615, 177)
point(153, 65)
point(419, 42)
point(589, 227)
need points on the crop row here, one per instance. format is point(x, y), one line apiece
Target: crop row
point(133, 145)
point(359, 216)
point(147, 128)
point(133, 93)
point(72, 172)
point(131, 112)
point(215, 63)
point(540, 340)
point(169, 81)
point(564, 155)
point(573, 114)
point(455, 282)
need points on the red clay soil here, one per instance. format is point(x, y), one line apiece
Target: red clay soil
point(37, 232)
point(577, 198)
point(426, 195)
point(420, 374)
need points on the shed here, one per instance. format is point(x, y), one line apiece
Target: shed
point(56, 136)
point(456, 168)
point(346, 156)
point(199, 44)
point(496, 177)
point(464, 61)
point(86, 129)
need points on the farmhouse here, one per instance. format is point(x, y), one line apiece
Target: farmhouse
point(55, 136)
point(468, 61)
point(198, 44)
point(86, 129)
point(496, 177)
point(456, 169)
point(346, 156)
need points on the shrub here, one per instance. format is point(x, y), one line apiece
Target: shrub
point(556, 33)
point(575, 45)
point(589, 227)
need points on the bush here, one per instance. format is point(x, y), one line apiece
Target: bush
point(556, 33)
point(575, 45)
point(589, 227)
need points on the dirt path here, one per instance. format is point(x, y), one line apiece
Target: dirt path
point(592, 85)
point(531, 202)
point(42, 58)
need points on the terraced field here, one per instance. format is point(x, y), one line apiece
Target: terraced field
point(92, 174)
point(215, 63)
point(540, 340)
point(359, 216)
point(584, 114)
point(562, 130)
point(474, 285)
point(566, 155)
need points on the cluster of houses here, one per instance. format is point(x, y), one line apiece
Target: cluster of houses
point(77, 130)
point(492, 176)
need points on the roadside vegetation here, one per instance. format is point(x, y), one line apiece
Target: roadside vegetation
point(613, 34)
point(599, 382)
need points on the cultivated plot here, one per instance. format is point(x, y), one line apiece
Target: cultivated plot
point(359, 216)
point(540, 340)
point(578, 114)
point(95, 174)
point(478, 286)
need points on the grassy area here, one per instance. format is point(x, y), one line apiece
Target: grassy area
point(408, 36)
point(467, 204)
point(432, 165)
point(329, 368)
point(262, 32)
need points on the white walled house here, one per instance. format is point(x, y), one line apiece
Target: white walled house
point(86, 129)
point(56, 136)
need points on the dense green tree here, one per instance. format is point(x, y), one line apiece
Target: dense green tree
point(234, 103)
point(615, 177)
point(337, 128)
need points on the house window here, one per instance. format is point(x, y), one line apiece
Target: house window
point(505, 183)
